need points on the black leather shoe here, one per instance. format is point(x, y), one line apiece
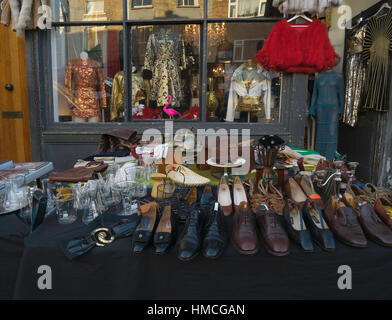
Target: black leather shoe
point(189, 244)
point(144, 231)
point(319, 229)
point(296, 227)
point(215, 239)
point(164, 233)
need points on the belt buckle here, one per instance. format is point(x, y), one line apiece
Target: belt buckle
point(102, 236)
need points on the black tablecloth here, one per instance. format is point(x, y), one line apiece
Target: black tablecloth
point(12, 232)
point(113, 272)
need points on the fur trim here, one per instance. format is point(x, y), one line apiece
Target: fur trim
point(15, 9)
point(24, 16)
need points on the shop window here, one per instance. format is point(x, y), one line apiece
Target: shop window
point(90, 10)
point(166, 69)
point(163, 73)
point(239, 89)
point(86, 74)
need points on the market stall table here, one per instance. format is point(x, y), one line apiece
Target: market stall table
point(113, 272)
point(13, 230)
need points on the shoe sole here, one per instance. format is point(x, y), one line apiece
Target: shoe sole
point(246, 253)
point(322, 247)
point(274, 253)
point(189, 259)
point(350, 244)
point(371, 238)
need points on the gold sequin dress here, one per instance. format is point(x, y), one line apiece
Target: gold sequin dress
point(355, 77)
point(85, 87)
point(165, 58)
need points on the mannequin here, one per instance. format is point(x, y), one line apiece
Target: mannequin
point(85, 88)
point(250, 91)
point(117, 97)
point(327, 105)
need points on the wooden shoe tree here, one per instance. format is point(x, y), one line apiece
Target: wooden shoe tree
point(165, 222)
point(296, 192)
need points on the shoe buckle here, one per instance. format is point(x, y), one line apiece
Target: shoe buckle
point(102, 236)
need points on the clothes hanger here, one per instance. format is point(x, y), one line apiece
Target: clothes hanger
point(384, 6)
point(300, 16)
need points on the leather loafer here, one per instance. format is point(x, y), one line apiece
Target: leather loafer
point(244, 236)
point(344, 223)
point(190, 240)
point(374, 228)
point(274, 236)
point(215, 239)
point(144, 232)
point(381, 206)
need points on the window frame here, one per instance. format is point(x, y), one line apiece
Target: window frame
point(195, 5)
point(49, 126)
point(143, 6)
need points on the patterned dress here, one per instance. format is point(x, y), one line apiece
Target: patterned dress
point(85, 88)
point(165, 58)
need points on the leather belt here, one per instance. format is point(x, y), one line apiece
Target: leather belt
point(100, 235)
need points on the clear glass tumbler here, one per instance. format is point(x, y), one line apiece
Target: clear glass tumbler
point(65, 209)
point(141, 182)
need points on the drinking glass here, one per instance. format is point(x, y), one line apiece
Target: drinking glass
point(49, 190)
point(89, 209)
point(65, 209)
point(5, 188)
point(141, 182)
point(108, 199)
point(126, 190)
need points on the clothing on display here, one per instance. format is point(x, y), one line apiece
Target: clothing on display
point(164, 61)
point(250, 90)
point(292, 49)
point(302, 6)
point(327, 106)
point(85, 87)
point(376, 54)
point(355, 77)
point(117, 98)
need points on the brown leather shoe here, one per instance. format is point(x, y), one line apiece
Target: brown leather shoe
point(380, 208)
point(244, 236)
point(224, 197)
point(344, 223)
point(374, 228)
point(275, 238)
point(295, 193)
point(239, 193)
